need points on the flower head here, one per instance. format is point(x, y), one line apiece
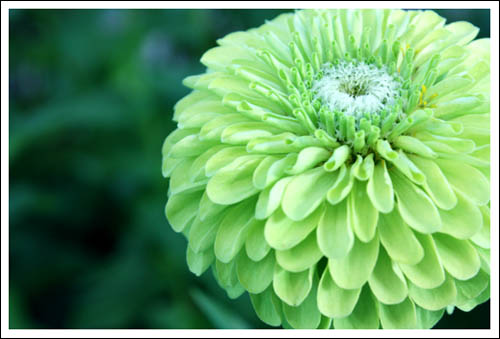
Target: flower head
point(335, 165)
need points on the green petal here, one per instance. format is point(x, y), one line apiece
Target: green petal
point(260, 177)
point(182, 208)
point(353, 270)
point(226, 274)
point(364, 171)
point(471, 288)
point(202, 234)
point(427, 319)
point(334, 301)
point(335, 237)
point(180, 182)
point(233, 230)
point(270, 199)
point(306, 315)
point(398, 316)
point(209, 209)
point(482, 238)
point(242, 132)
point(255, 244)
point(282, 233)
point(459, 257)
point(233, 183)
point(267, 306)
point(290, 287)
point(255, 276)
point(436, 184)
point(435, 298)
point(428, 273)
point(306, 192)
point(190, 146)
point(199, 262)
point(325, 323)
point(300, 257)
point(380, 190)
point(308, 158)
point(467, 180)
point(387, 282)
point(463, 221)
point(223, 158)
point(472, 303)
point(197, 170)
point(399, 240)
point(341, 187)
point(362, 215)
point(416, 208)
point(364, 315)
point(213, 129)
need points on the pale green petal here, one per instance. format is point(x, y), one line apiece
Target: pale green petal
point(416, 208)
point(387, 282)
point(436, 185)
point(482, 238)
point(179, 181)
point(436, 298)
point(467, 180)
point(459, 257)
point(255, 276)
point(364, 171)
point(341, 187)
point(379, 188)
point(362, 215)
point(333, 301)
point(306, 315)
point(306, 192)
point(364, 316)
point(399, 240)
point(197, 170)
point(226, 273)
point(233, 230)
point(353, 270)
point(199, 262)
point(260, 176)
point(242, 132)
point(233, 183)
point(270, 199)
point(208, 209)
point(335, 237)
point(398, 316)
point(290, 287)
point(472, 303)
point(282, 233)
point(428, 273)
point(471, 288)
point(202, 233)
point(255, 245)
point(300, 257)
point(222, 158)
point(190, 146)
point(267, 306)
point(308, 158)
point(427, 319)
point(463, 221)
point(182, 208)
point(213, 130)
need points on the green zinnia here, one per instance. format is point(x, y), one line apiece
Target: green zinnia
point(335, 164)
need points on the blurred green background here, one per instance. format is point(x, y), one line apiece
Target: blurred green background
point(91, 97)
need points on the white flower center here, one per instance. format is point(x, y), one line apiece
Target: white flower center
point(356, 88)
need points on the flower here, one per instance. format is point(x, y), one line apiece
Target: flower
point(334, 164)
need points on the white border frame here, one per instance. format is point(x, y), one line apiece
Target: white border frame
point(7, 333)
